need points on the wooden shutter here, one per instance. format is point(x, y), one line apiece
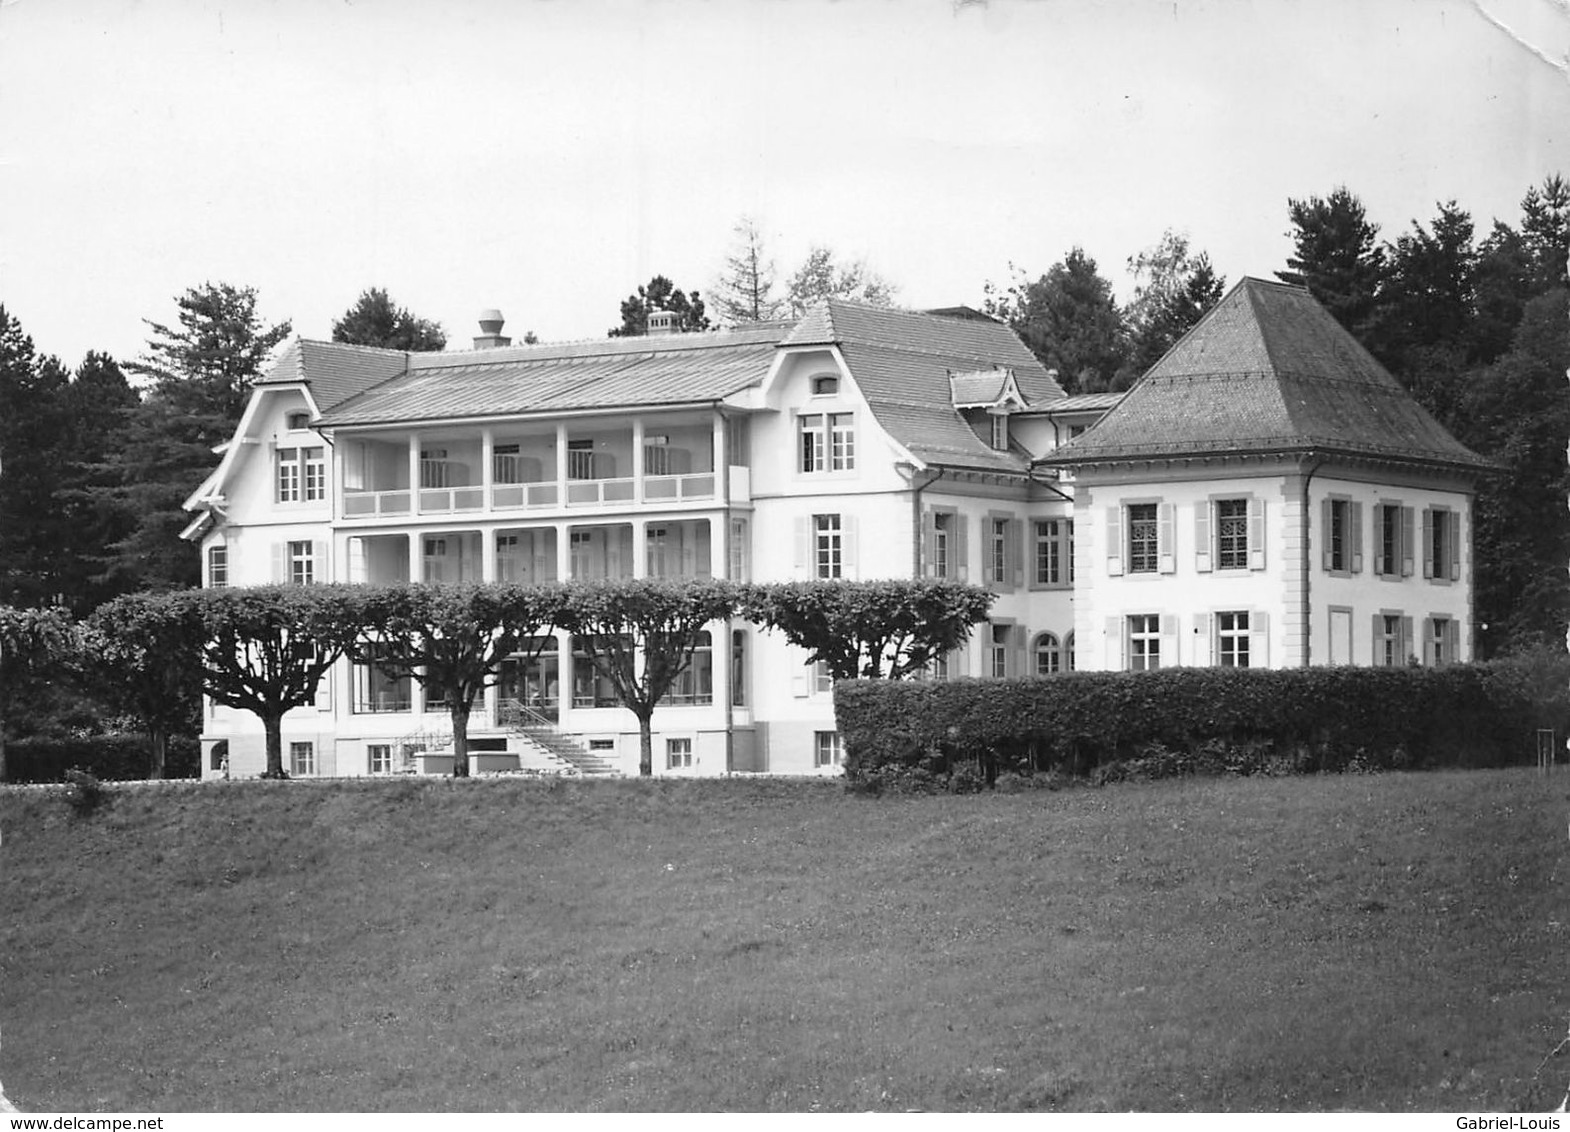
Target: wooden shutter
point(1016, 655)
point(1407, 541)
point(1016, 549)
point(1376, 637)
point(1114, 540)
point(1453, 644)
point(929, 544)
point(1357, 537)
point(1116, 645)
point(1326, 558)
point(1204, 628)
point(1428, 640)
point(1428, 541)
point(1169, 641)
point(1202, 536)
point(1166, 538)
point(848, 546)
point(280, 562)
point(1381, 567)
point(1455, 546)
point(319, 564)
point(1406, 639)
point(1256, 534)
point(803, 525)
point(961, 548)
point(1258, 639)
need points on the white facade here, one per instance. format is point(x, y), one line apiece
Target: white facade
point(859, 444)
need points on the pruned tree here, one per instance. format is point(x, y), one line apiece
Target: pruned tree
point(1069, 319)
point(823, 276)
point(453, 640)
point(745, 291)
point(34, 646)
point(266, 648)
point(146, 651)
point(640, 635)
point(375, 320)
point(660, 294)
point(873, 630)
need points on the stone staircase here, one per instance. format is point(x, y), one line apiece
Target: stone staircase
point(540, 733)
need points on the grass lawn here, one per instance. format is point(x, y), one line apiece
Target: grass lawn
point(1391, 942)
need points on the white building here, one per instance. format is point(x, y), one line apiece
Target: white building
point(859, 442)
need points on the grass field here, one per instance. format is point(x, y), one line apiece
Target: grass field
point(1392, 942)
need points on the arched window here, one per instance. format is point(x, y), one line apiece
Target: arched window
point(1048, 654)
point(1068, 653)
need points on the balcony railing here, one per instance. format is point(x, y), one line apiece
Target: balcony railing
point(444, 500)
point(590, 493)
point(698, 485)
point(508, 496)
point(363, 504)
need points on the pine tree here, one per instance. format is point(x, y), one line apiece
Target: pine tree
point(745, 292)
point(1336, 256)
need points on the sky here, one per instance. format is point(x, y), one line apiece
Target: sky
point(546, 157)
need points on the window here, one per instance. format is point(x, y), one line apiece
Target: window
point(828, 547)
point(1441, 546)
point(943, 550)
point(376, 690)
point(1232, 534)
point(1048, 654)
point(590, 688)
point(302, 474)
point(1054, 552)
point(218, 565)
point(695, 683)
point(998, 641)
point(1393, 551)
point(738, 556)
point(300, 563)
point(580, 460)
point(828, 442)
point(1232, 640)
point(678, 753)
point(825, 386)
point(1392, 639)
point(1144, 642)
point(1143, 539)
point(942, 544)
point(297, 422)
point(1342, 520)
point(1068, 653)
point(661, 562)
point(1441, 641)
point(738, 668)
point(218, 757)
point(822, 679)
point(1000, 431)
point(1001, 556)
point(302, 759)
point(378, 758)
point(826, 749)
point(597, 745)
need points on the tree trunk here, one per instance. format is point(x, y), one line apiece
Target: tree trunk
point(3, 777)
point(159, 742)
point(460, 740)
point(645, 748)
point(274, 726)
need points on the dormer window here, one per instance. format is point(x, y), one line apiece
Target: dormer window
point(825, 386)
point(297, 422)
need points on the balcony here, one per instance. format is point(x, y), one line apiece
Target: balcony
point(613, 465)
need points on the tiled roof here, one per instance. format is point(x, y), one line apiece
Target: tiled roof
point(1268, 370)
point(334, 371)
point(902, 362)
point(606, 373)
point(1081, 403)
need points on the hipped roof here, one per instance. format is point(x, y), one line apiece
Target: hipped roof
point(1268, 370)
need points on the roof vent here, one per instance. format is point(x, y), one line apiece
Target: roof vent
point(662, 322)
point(491, 336)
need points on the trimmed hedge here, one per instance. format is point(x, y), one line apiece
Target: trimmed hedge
point(107, 757)
point(1113, 724)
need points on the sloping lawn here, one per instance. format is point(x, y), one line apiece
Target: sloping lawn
point(1365, 942)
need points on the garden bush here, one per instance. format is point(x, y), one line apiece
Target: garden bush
point(1107, 726)
point(110, 758)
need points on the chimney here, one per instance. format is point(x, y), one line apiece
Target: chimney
point(490, 335)
point(662, 322)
